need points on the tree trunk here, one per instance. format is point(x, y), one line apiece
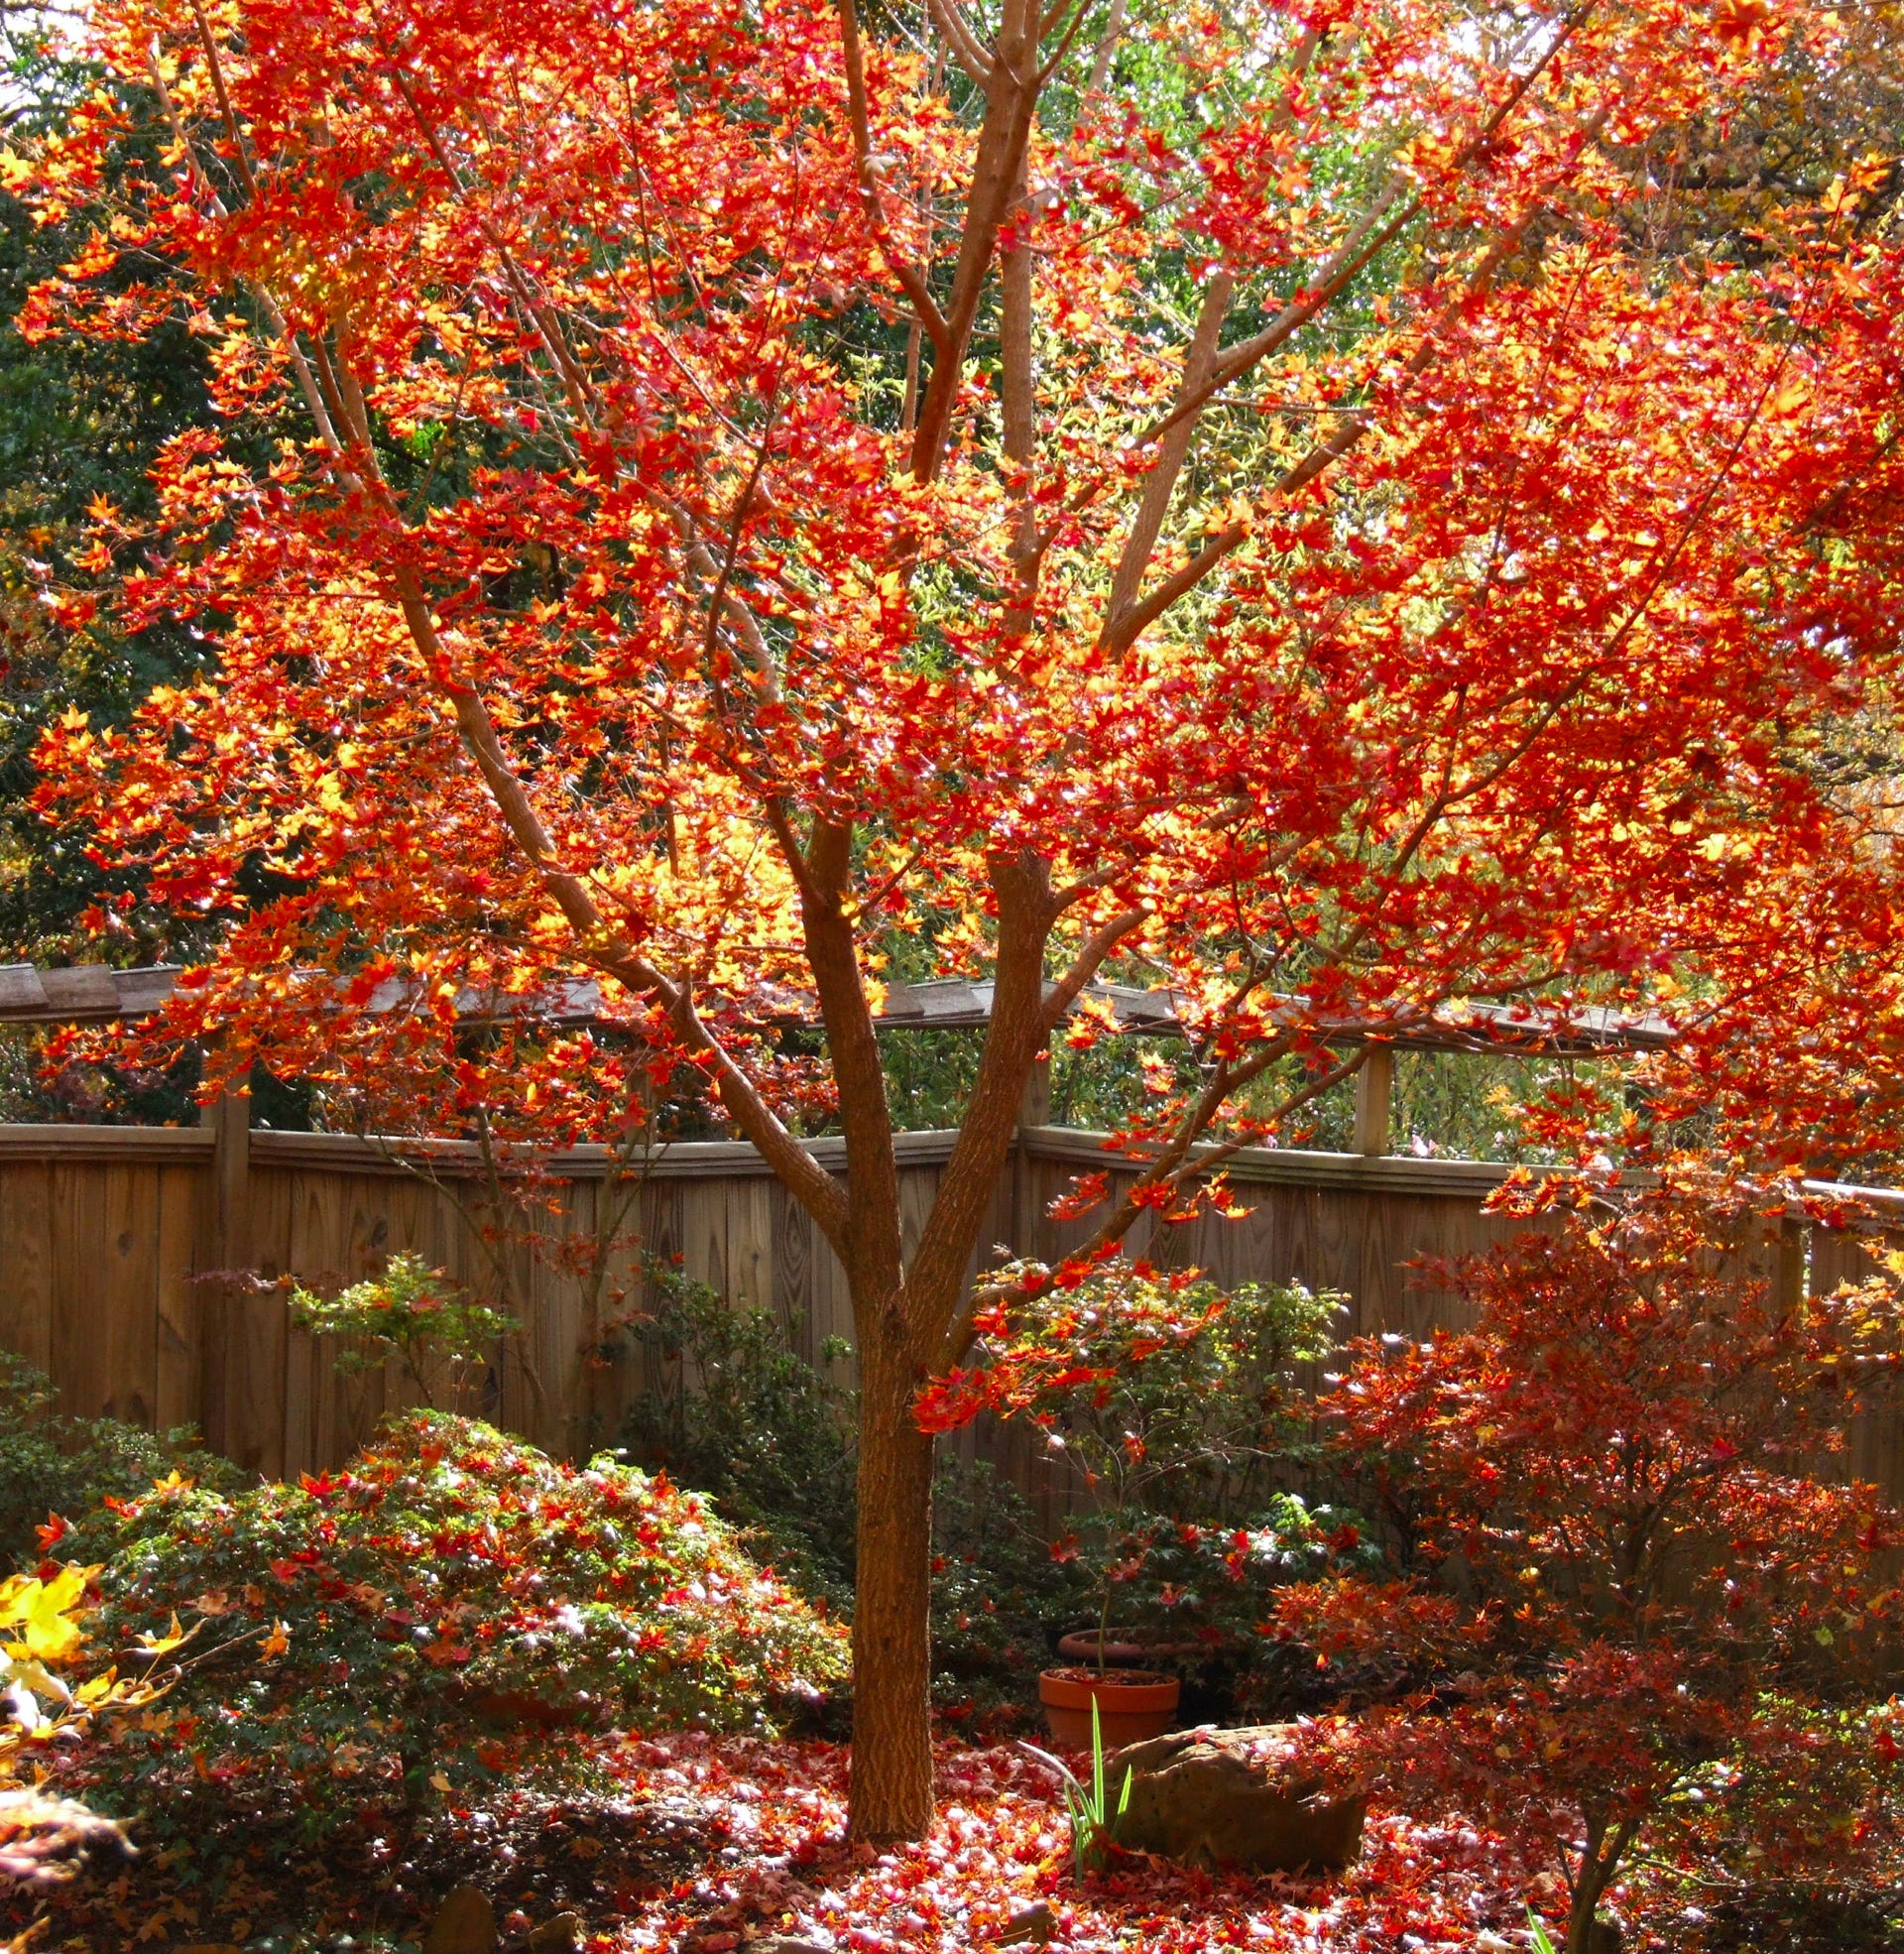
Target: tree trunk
point(1583, 1936)
point(892, 1794)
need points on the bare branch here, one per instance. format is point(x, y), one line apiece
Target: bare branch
point(743, 503)
point(1022, 885)
point(1138, 619)
point(1349, 258)
point(911, 280)
point(1011, 101)
point(1018, 399)
point(1161, 483)
point(1087, 963)
point(1055, 59)
point(870, 1244)
point(1107, 49)
point(970, 50)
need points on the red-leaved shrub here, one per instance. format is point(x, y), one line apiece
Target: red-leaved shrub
point(1624, 1551)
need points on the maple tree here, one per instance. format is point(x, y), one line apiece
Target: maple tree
point(1618, 1547)
point(78, 421)
point(1214, 496)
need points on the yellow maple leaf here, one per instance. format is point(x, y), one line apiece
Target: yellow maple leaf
point(164, 1645)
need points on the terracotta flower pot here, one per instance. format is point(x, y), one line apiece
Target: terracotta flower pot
point(1081, 1647)
point(1133, 1704)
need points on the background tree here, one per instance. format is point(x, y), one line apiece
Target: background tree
point(1225, 507)
point(82, 418)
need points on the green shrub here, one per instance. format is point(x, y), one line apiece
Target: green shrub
point(731, 1409)
point(426, 1622)
point(997, 1585)
point(410, 1312)
point(1174, 1418)
point(1791, 1838)
point(53, 1465)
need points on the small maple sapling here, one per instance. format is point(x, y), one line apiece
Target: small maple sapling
point(767, 487)
point(1614, 1531)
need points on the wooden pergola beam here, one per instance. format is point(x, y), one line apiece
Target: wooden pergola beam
point(93, 993)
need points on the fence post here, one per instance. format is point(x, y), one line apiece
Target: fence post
point(1374, 1086)
point(224, 1249)
point(1035, 1109)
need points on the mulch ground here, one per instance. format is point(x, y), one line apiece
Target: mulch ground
point(700, 1846)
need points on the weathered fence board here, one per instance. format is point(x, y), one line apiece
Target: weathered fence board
point(135, 1265)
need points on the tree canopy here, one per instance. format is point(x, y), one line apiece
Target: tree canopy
point(1285, 501)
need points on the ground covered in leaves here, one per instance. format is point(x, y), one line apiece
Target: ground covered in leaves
point(699, 1846)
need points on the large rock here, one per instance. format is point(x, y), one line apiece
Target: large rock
point(466, 1925)
point(1235, 1797)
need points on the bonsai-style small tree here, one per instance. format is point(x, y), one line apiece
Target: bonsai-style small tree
point(411, 1313)
point(1618, 1532)
point(1171, 1408)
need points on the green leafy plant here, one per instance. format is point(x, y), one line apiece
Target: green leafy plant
point(1791, 1837)
point(1094, 1821)
point(1539, 1939)
point(434, 1617)
point(1171, 1410)
point(54, 1468)
point(731, 1408)
point(997, 1587)
point(410, 1312)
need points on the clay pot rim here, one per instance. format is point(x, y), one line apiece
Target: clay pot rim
point(1122, 1646)
point(1110, 1682)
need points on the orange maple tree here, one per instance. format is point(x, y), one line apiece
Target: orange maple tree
point(1211, 495)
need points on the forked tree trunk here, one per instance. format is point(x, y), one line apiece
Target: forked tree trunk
point(891, 1795)
point(1597, 1865)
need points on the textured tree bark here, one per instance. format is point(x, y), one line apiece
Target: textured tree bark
point(892, 1788)
point(1585, 1932)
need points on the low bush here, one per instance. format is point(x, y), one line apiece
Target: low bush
point(1792, 1838)
point(998, 1589)
point(425, 1622)
point(55, 1467)
point(732, 1410)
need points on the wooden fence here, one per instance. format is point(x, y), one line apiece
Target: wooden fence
point(119, 1246)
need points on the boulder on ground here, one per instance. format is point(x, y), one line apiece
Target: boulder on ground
point(1235, 1797)
point(466, 1925)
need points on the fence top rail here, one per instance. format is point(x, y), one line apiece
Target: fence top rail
point(97, 993)
point(730, 1159)
point(726, 1160)
point(129, 1145)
